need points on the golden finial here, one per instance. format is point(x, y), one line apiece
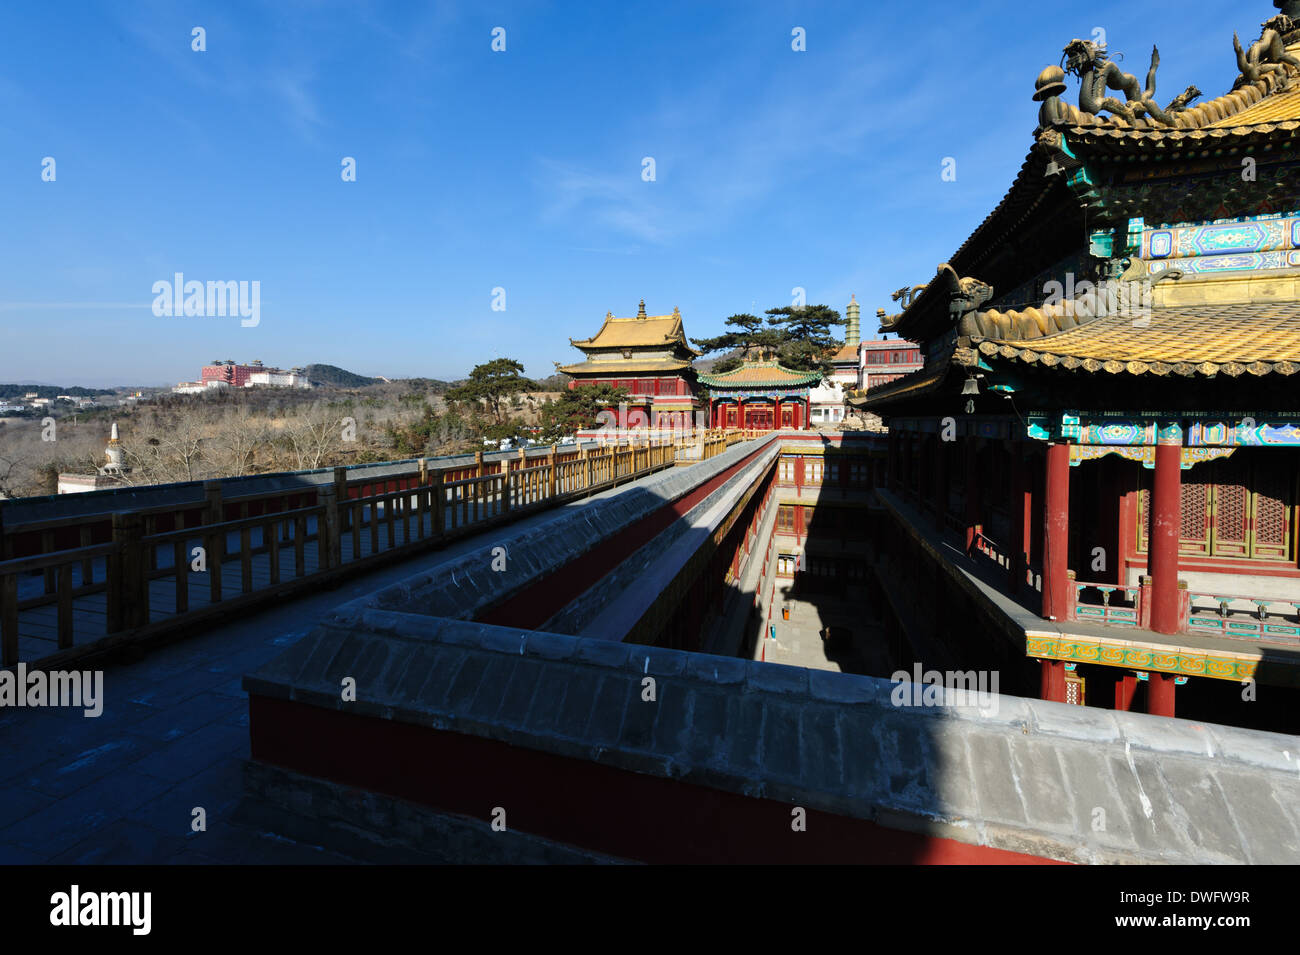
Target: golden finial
point(640, 312)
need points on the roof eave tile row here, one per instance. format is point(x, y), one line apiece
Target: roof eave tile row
point(1115, 366)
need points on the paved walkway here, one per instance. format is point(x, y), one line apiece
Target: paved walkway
point(122, 787)
point(857, 642)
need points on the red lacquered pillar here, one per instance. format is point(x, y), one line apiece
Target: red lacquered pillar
point(1160, 694)
point(1053, 682)
point(1057, 593)
point(1125, 687)
point(1166, 523)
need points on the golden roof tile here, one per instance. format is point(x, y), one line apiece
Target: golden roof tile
point(1255, 338)
point(637, 332)
point(1271, 109)
point(760, 374)
point(631, 366)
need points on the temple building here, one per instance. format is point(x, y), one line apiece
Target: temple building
point(885, 360)
point(760, 395)
point(1101, 451)
point(647, 355)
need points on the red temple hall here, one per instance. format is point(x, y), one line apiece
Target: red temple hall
point(648, 356)
point(1105, 434)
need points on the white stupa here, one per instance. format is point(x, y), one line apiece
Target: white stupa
point(113, 454)
point(113, 473)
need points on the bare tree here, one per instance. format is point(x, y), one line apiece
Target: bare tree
point(239, 438)
point(167, 447)
point(315, 435)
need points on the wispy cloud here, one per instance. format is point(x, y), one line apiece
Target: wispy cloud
point(715, 161)
point(293, 89)
point(621, 203)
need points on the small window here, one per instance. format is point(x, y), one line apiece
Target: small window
point(785, 519)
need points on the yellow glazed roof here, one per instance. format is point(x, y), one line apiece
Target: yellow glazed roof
point(1188, 340)
point(1275, 109)
point(641, 331)
point(624, 367)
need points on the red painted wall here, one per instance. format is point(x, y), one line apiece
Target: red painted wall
point(579, 803)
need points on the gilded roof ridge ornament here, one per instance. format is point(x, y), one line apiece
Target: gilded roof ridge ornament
point(1098, 73)
point(1268, 54)
point(965, 295)
point(906, 295)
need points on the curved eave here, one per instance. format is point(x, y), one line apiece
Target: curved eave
point(1190, 341)
point(928, 314)
point(790, 379)
point(624, 368)
point(925, 381)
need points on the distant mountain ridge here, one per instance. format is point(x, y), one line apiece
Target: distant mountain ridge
point(51, 391)
point(336, 377)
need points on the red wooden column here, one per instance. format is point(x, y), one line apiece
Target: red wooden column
point(1160, 694)
point(972, 503)
point(1166, 524)
point(1053, 682)
point(1057, 593)
point(1125, 686)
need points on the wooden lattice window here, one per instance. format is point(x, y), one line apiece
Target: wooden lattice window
point(1074, 689)
point(1194, 506)
point(785, 519)
point(1231, 520)
point(1271, 518)
point(1230, 508)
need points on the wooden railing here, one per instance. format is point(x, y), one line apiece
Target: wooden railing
point(1122, 611)
point(1266, 619)
point(146, 569)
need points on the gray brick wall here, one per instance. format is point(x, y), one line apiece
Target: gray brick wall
point(1079, 784)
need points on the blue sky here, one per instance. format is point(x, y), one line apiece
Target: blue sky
point(520, 169)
